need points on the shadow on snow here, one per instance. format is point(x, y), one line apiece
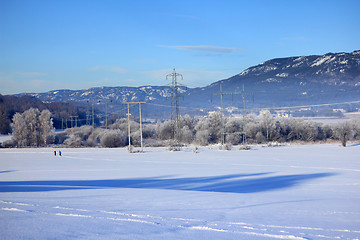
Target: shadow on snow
point(237, 183)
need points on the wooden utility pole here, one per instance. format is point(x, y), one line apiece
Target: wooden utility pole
point(92, 115)
point(88, 119)
point(106, 111)
point(92, 112)
point(129, 130)
point(73, 119)
point(141, 137)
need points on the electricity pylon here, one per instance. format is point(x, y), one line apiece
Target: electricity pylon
point(175, 101)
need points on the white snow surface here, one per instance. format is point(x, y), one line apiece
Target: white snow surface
point(4, 138)
point(289, 192)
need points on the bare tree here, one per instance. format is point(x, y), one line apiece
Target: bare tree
point(266, 124)
point(356, 128)
point(343, 132)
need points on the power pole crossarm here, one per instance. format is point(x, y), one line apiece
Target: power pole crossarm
point(243, 93)
point(221, 93)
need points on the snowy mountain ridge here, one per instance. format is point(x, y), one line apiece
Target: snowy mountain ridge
point(121, 94)
point(331, 65)
point(291, 81)
point(316, 79)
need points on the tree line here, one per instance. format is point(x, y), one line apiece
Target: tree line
point(61, 111)
point(35, 128)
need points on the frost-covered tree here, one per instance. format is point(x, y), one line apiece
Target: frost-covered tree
point(73, 141)
point(188, 121)
point(32, 128)
point(267, 124)
point(186, 135)
point(94, 138)
point(311, 131)
point(234, 138)
point(355, 128)
point(215, 122)
point(202, 137)
point(209, 128)
point(20, 130)
point(343, 132)
point(251, 129)
point(81, 134)
point(46, 127)
point(284, 129)
point(234, 125)
point(113, 138)
point(122, 124)
point(149, 131)
point(164, 130)
point(31, 117)
point(260, 138)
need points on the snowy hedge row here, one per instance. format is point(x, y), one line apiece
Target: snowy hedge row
point(33, 128)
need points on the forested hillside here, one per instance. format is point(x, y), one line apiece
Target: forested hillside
point(9, 105)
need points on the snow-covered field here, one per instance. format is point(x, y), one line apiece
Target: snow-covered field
point(4, 137)
point(291, 192)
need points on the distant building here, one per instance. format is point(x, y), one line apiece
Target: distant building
point(339, 110)
point(283, 114)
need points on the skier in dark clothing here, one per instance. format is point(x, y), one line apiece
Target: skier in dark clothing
point(55, 153)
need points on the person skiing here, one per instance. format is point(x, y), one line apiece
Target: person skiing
point(55, 153)
point(59, 153)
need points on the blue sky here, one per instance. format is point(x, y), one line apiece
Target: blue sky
point(77, 44)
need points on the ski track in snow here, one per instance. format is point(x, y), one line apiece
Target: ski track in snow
point(13, 209)
point(240, 228)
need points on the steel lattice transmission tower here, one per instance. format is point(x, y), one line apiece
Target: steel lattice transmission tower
point(175, 112)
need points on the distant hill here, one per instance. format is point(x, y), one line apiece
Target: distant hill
point(9, 105)
point(115, 94)
point(292, 81)
point(330, 78)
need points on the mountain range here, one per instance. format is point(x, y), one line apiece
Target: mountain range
point(283, 82)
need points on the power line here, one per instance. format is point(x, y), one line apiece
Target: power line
point(181, 107)
point(314, 105)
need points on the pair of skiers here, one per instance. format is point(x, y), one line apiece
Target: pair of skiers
point(59, 153)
